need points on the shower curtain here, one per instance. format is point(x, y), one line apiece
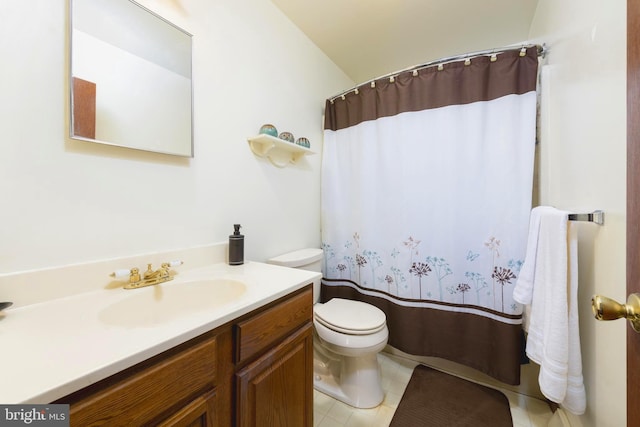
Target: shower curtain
point(426, 193)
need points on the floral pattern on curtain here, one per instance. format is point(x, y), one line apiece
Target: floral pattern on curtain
point(426, 194)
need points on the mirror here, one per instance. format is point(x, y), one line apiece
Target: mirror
point(130, 78)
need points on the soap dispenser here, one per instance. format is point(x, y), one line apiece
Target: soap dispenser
point(236, 246)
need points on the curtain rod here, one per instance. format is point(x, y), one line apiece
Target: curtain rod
point(542, 51)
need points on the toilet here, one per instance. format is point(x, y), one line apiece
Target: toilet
point(348, 335)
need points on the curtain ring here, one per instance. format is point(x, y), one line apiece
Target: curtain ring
point(343, 97)
point(415, 73)
point(356, 91)
point(523, 51)
point(373, 84)
point(494, 57)
point(467, 61)
point(440, 67)
point(392, 79)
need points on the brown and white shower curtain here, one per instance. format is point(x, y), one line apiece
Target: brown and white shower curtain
point(426, 195)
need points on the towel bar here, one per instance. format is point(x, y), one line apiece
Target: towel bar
point(595, 216)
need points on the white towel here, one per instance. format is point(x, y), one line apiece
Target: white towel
point(548, 283)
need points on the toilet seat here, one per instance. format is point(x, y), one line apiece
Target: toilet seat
point(350, 317)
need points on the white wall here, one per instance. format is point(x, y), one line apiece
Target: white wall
point(66, 201)
point(582, 167)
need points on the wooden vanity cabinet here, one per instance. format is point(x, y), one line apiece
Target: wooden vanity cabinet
point(277, 389)
point(184, 386)
point(274, 377)
point(254, 371)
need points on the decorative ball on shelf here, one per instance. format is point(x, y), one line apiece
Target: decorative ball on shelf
point(269, 129)
point(287, 136)
point(303, 142)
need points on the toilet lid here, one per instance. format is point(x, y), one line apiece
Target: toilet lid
point(350, 317)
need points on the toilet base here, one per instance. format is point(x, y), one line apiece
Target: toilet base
point(353, 380)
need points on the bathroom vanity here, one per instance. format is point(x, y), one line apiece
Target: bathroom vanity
point(248, 362)
point(258, 367)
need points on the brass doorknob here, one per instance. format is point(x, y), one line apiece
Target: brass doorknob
point(607, 309)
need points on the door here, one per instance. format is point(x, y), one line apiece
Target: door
point(633, 203)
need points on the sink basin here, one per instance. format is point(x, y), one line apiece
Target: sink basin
point(150, 306)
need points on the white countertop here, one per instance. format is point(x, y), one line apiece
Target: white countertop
point(54, 348)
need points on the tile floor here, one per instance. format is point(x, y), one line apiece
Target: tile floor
point(396, 372)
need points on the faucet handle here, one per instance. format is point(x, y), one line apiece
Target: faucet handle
point(121, 274)
point(172, 263)
point(132, 274)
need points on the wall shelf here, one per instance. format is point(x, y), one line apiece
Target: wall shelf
point(278, 151)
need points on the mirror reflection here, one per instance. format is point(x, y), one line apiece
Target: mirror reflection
point(130, 78)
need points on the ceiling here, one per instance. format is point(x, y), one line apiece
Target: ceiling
point(370, 38)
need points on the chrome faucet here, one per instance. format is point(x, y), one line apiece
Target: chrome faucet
point(149, 278)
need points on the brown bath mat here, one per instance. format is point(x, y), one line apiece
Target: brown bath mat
point(435, 399)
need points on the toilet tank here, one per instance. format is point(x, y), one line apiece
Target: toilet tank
point(304, 259)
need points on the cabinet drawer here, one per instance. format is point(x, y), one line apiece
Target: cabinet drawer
point(141, 393)
point(272, 325)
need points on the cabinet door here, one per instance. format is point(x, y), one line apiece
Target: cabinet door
point(277, 389)
point(198, 413)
